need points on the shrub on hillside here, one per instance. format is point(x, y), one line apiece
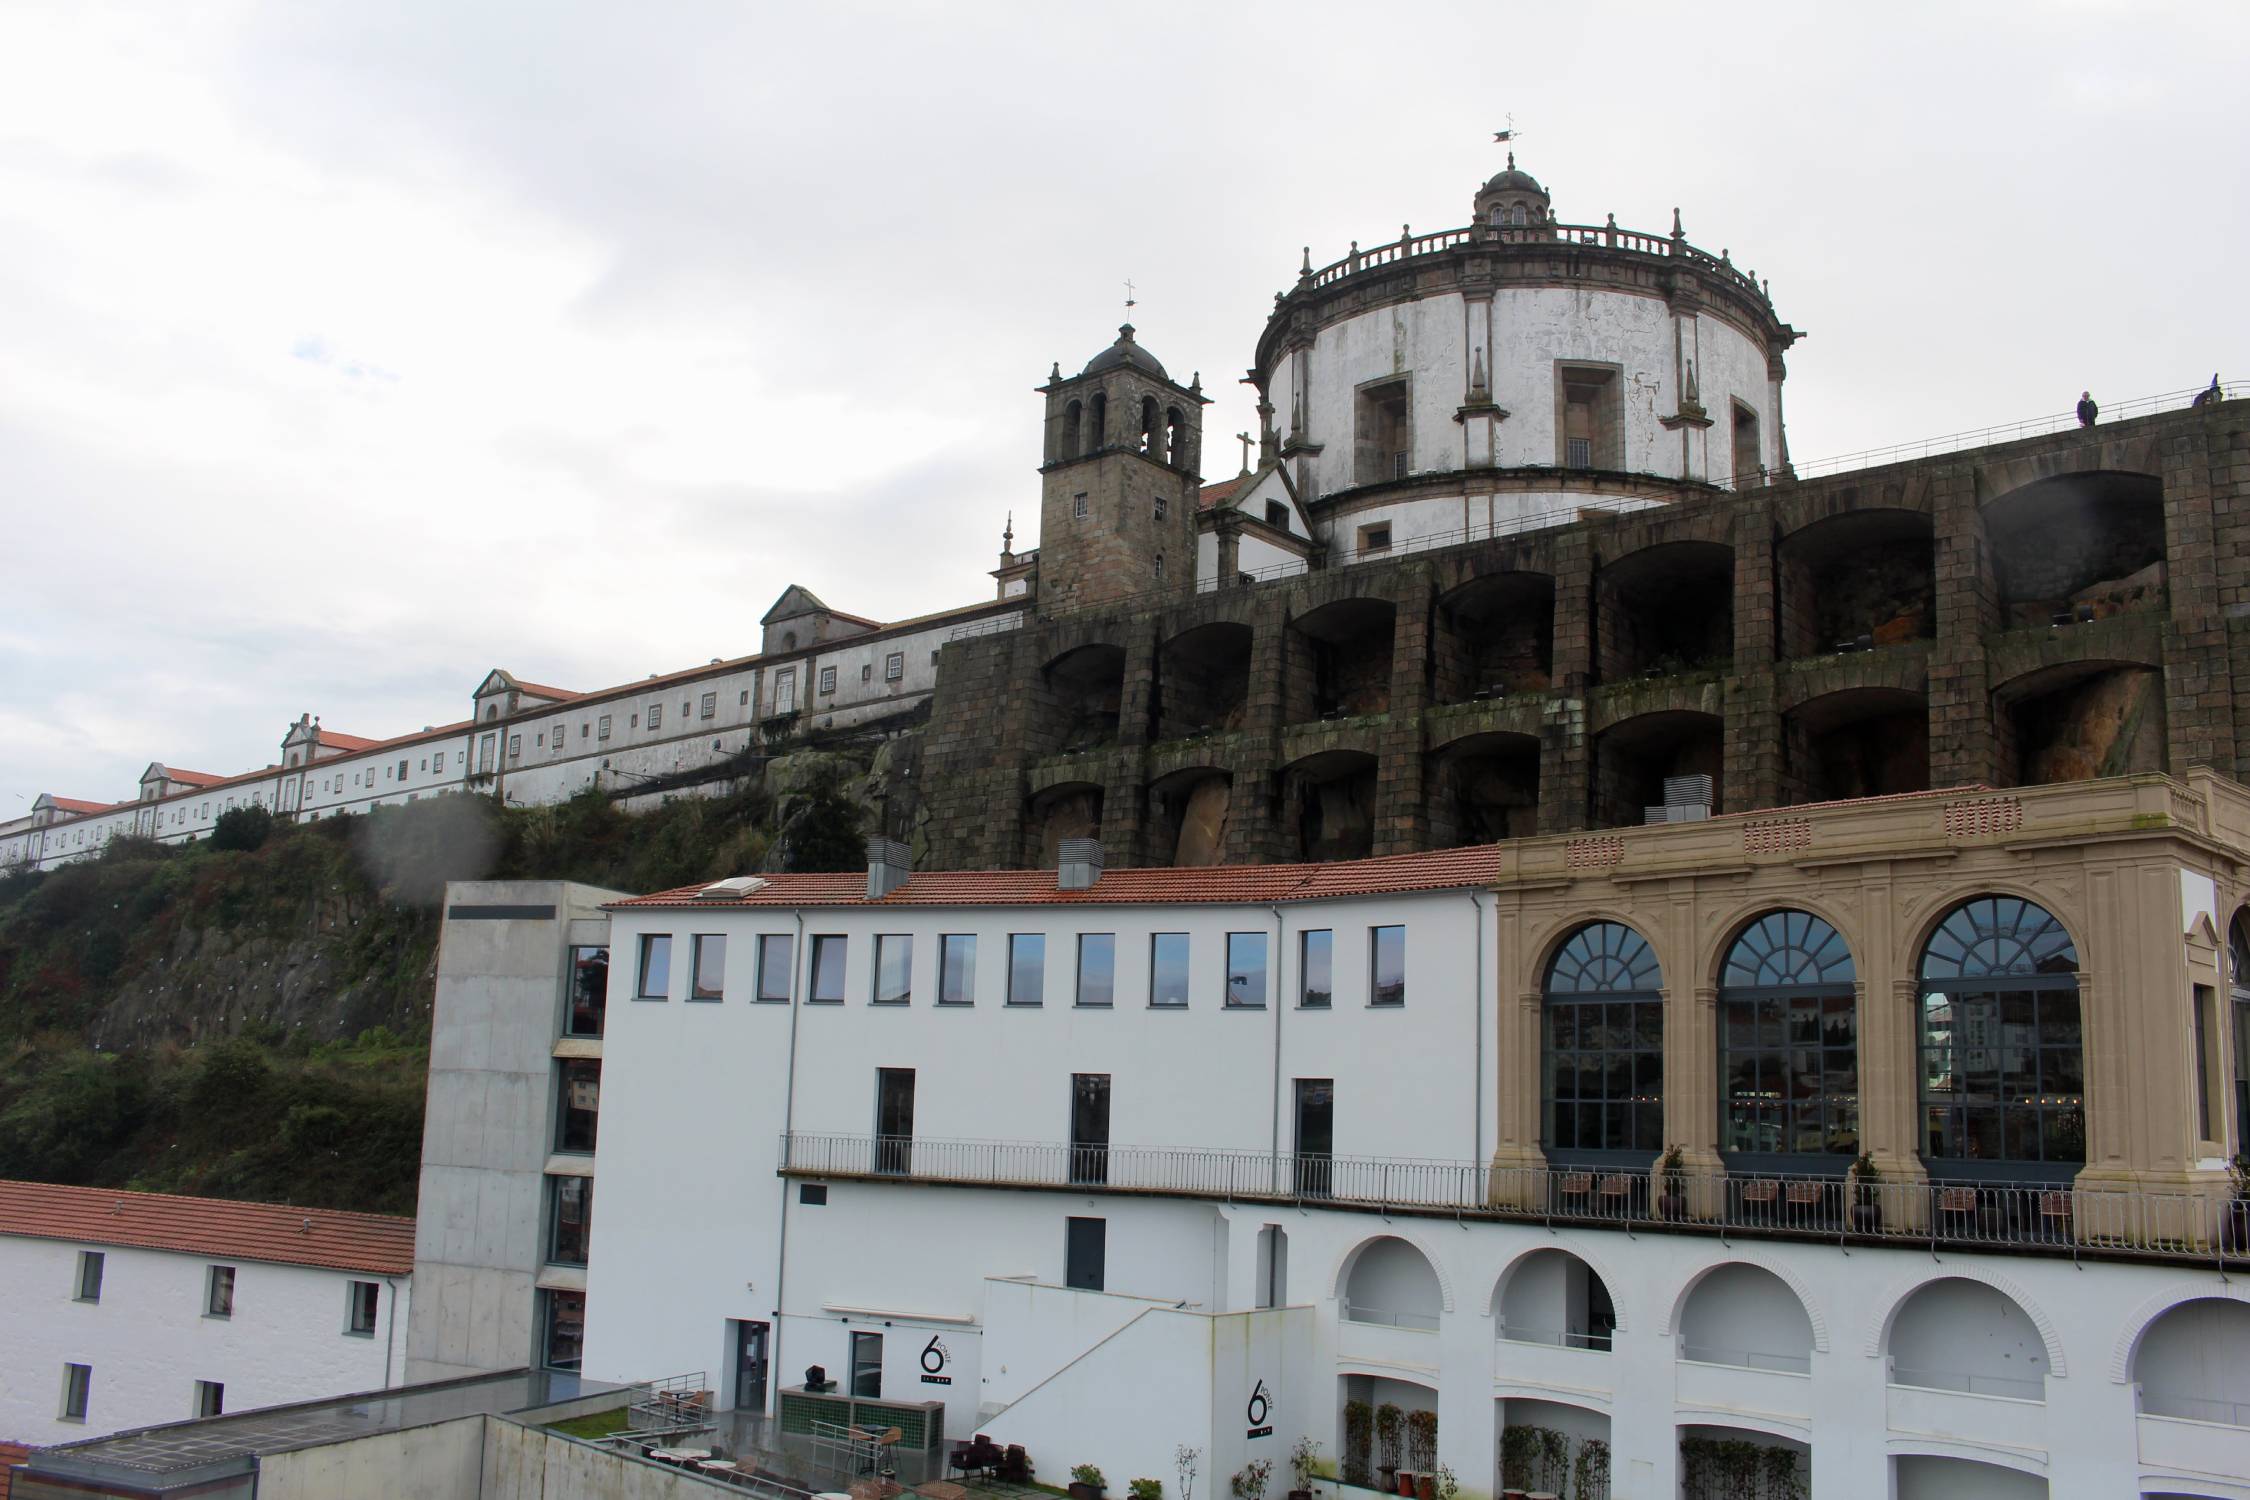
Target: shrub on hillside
point(242, 827)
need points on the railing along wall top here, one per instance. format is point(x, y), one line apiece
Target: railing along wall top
point(2054, 1218)
point(1586, 236)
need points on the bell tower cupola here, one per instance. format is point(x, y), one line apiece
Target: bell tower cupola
point(1118, 491)
point(1512, 200)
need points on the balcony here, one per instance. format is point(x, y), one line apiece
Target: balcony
point(2193, 1435)
point(1989, 1410)
point(1734, 1382)
point(2000, 1217)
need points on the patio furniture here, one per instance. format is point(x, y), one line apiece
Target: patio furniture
point(939, 1489)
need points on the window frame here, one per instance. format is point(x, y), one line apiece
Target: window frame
point(1156, 940)
point(210, 1398)
point(596, 997)
point(653, 944)
point(1586, 987)
point(1764, 983)
point(568, 1072)
point(1017, 943)
point(96, 1261)
point(946, 942)
point(696, 951)
point(894, 666)
point(357, 1292)
point(1375, 1000)
point(816, 950)
point(77, 1391)
point(855, 1369)
point(1327, 999)
point(767, 966)
point(549, 1301)
point(558, 1187)
point(1227, 1001)
point(1109, 979)
point(875, 991)
point(216, 1276)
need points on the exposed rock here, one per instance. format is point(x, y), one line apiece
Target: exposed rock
point(1203, 823)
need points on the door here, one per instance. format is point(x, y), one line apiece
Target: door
point(1316, 1136)
point(749, 1366)
point(867, 1366)
point(1085, 1254)
point(1089, 1127)
point(894, 1120)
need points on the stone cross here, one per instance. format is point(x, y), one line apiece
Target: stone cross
point(1244, 439)
point(1130, 304)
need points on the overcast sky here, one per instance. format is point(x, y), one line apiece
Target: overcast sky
point(348, 350)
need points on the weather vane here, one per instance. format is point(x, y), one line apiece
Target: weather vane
point(1130, 304)
point(1503, 137)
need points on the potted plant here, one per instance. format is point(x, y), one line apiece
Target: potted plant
point(1249, 1482)
point(1086, 1483)
point(1421, 1453)
point(1671, 1203)
point(1867, 1207)
point(1448, 1487)
point(1359, 1431)
point(1389, 1420)
point(1304, 1462)
point(1145, 1489)
point(1184, 1460)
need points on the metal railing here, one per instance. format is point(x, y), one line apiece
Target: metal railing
point(2194, 1408)
point(1012, 620)
point(1388, 1317)
point(2013, 1388)
point(1554, 1338)
point(1746, 1359)
point(1590, 236)
point(2052, 1217)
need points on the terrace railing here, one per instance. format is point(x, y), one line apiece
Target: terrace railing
point(2001, 1216)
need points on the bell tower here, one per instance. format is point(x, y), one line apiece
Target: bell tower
point(1119, 485)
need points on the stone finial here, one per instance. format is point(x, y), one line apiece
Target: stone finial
point(1008, 536)
point(1306, 268)
point(1405, 234)
point(1677, 232)
point(1195, 383)
point(1613, 221)
point(1054, 374)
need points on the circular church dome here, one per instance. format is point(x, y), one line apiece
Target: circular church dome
point(1126, 352)
point(1511, 180)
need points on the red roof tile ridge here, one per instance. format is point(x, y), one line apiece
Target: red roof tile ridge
point(336, 1239)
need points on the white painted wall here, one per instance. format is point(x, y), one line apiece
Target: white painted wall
point(1933, 1477)
point(1960, 1327)
point(1742, 1310)
point(149, 1341)
point(440, 1461)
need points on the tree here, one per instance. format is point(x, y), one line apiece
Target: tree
point(242, 827)
point(821, 829)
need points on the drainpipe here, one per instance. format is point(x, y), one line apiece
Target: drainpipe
point(1476, 1113)
point(803, 964)
point(1279, 1004)
point(390, 1329)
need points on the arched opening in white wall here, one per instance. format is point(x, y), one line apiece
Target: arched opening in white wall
point(1747, 1317)
point(1788, 1049)
point(1954, 1334)
point(1550, 1447)
point(1929, 1476)
point(1552, 1297)
point(1722, 1463)
point(1383, 1421)
point(1604, 1075)
point(1392, 1283)
point(2194, 1362)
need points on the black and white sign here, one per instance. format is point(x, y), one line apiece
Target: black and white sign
point(935, 1357)
point(1259, 1410)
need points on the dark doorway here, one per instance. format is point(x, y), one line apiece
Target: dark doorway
point(1085, 1253)
point(867, 1366)
point(894, 1120)
point(749, 1365)
point(1089, 1127)
point(1316, 1135)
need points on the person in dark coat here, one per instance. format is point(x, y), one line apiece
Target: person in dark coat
point(2087, 410)
point(2210, 395)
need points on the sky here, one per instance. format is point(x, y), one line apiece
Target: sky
point(348, 351)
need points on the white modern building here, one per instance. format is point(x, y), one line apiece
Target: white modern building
point(128, 1309)
point(1106, 1162)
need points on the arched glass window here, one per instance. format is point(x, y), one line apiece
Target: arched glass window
point(1788, 1039)
point(1604, 1074)
point(2238, 975)
point(2003, 1069)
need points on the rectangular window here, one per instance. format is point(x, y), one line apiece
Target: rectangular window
point(894, 666)
point(957, 969)
point(894, 969)
point(1085, 1249)
point(210, 1398)
point(361, 1304)
point(602, 728)
point(562, 1325)
point(1749, 458)
point(1089, 1128)
point(710, 980)
point(1168, 970)
point(218, 1293)
point(402, 767)
point(2205, 998)
point(785, 691)
point(1097, 969)
point(515, 751)
point(1386, 966)
point(1375, 537)
point(1078, 507)
point(1246, 970)
point(1380, 441)
point(1160, 509)
point(1027, 968)
point(774, 957)
point(1589, 417)
point(1788, 1065)
point(656, 716)
point(828, 679)
point(90, 1265)
point(894, 1120)
point(656, 967)
point(867, 674)
point(570, 1221)
point(589, 990)
point(578, 1104)
point(745, 702)
point(708, 706)
point(828, 951)
point(1604, 1075)
point(562, 733)
point(78, 1389)
point(1277, 515)
point(867, 1366)
point(1315, 981)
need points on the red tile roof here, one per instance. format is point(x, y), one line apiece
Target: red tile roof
point(79, 805)
point(191, 778)
point(379, 1244)
point(560, 695)
point(1212, 494)
point(10, 1453)
point(336, 739)
point(1448, 869)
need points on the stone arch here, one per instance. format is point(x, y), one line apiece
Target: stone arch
point(1888, 1307)
point(1545, 942)
point(2021, 1461)
point(1867, 740)
point(1919, 919)
point(1663, 608)
point(1569, 1246)
point(2156, 1305)
point(1865, 575)
point(2057, 537)
point(2101, 714)
point(1414, 1237)
point(1737, 920)
point(1744, 1420)
point(1633, 757)
point(1779, 1270)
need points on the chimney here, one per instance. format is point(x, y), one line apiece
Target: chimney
point(889, 862)
point(1081, 865)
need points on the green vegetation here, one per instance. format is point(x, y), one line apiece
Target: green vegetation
point(599, 1424)
point(248, 1016)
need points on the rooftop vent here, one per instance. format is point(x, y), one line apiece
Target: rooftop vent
point(1687, 799)
point(733, 888)
point(889, 863)
point(1081, 865)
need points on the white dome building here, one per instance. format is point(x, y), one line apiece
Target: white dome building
point(1508, 374)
